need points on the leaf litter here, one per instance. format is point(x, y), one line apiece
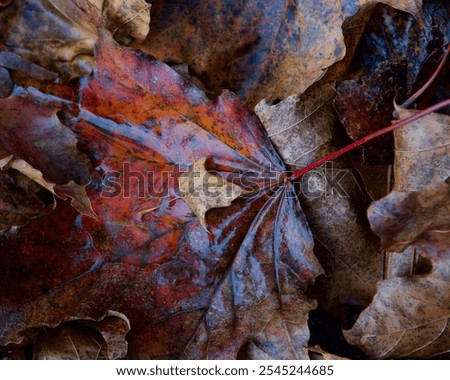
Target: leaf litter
point(234, 274)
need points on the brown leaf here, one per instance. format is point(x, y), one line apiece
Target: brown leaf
point(303, 129)
point(317, 353)
point(203, 191)
point(18, 201)
point(409, 316)
point(66, 44)
point(259, 50)
point(84, 339)
point(401, 218)
point(422, 151)
point(128, 21)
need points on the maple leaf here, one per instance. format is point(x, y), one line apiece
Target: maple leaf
point(303, 129)
point(422, 151)
point(271, 51)
point(188, 293)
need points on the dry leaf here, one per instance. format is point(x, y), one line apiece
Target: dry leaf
point(316, 353)
point(303, 130)
point(82, 339)
point(128, 21)
point(422, 151)
point(409, 316)
point(19, 201)
point(421, 157)
point(203, 191)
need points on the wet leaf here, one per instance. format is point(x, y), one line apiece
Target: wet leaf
point(259, 50)
point(66, 44)
point(394, 37)
point(43, 149)
point(187, 292)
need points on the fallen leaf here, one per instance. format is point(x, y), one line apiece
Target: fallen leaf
point(402, 217)
point(422, 151)
point(19, 202)
point(409, 316)
point(43, 148)
point(203, 191)
point(188, 293)
point(259, 50)
point(83, 339)
point(303, 129)
point(66, 44)
point(317, 353)
point(128, 21)
point(6, 84)
point(365, 106)
point(394, 37)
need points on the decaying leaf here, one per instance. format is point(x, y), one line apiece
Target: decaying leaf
point(317, 353)
point(402, 217)
point(365, 106)
point(409, 316)
point(203, 191)
point(43, 149)
point(66, 44)
point(259, 50)
point(19, 201)
point(422, 151)
point(413, 223)
point(84, 339)
point(128, 21)
point(396, 37)
point(303, 130)
point(188, 293)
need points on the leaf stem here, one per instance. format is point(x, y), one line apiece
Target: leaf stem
point(332, 156)
point(422, 89)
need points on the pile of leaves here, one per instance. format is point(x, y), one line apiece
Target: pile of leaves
point(151, 201)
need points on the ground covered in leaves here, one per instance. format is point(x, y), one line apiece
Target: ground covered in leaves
point(152, 198)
